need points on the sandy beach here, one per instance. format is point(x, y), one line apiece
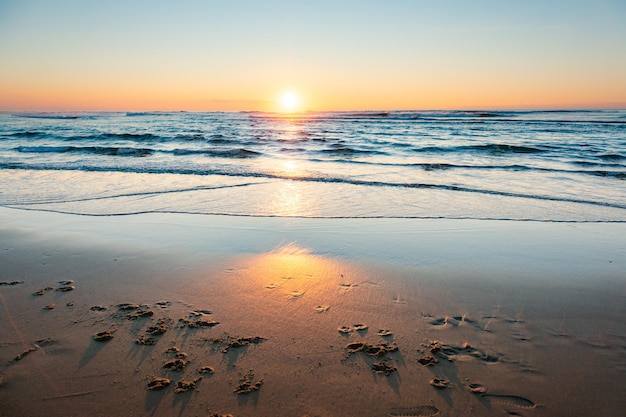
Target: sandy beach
point(192, 315)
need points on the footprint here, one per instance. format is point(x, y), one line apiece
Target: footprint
point(419, 411)
point(163, 304)
point(296, 294)
point(477, 388)
point(271, 286)
point(449, 352)
point(513, 400)
point(354, 328)
point(439, 322)
point(321, 309)
point(345, 284)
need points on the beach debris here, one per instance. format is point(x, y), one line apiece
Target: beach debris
point(25, 353)
point(158, 383)
point(104, 336)
point(177, 364)
point(98, 308)
point(184, 385)
point(384, 333)
point(439, 383)
point(42, 291)
point(383, 367)
point(10, 283)
point(206, 370)
point(246, 384)
point(49, 307)
point(228, 342)
point(66, 288)
point(374, 351)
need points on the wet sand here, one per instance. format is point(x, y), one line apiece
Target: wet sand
point(182, 315)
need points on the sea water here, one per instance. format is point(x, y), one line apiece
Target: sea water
point(518, 165)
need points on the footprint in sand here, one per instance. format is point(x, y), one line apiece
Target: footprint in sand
point(439, 382)
point(163, 304)
point(399, 300)
point(10, 283)
point(295, 294)
point(271, 286)
point(442, 321)
point(453, 321)
point(510, 400)
point(449, 352)
point(518, 329)
point(354, 328)
point(322, 309)
point(158, 383)
point(418, 411)
point(346, 285)
point(477, 388)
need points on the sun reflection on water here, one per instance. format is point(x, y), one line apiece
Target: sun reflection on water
point(287, 201)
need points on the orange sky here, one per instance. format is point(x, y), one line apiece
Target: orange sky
point(350, 55)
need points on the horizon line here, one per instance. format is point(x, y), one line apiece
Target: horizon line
point(460, 109)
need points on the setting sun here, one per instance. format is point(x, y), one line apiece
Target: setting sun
point(289, 101)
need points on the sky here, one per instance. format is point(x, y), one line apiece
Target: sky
point(136, 55)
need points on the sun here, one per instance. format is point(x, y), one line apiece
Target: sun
point(289, 101)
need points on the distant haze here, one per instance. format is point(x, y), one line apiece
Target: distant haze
point(335, 55)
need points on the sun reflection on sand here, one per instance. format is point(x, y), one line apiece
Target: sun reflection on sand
point(294, 272)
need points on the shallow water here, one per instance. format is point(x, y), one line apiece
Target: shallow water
point(548, 166)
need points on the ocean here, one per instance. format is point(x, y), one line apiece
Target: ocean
point(555, 166)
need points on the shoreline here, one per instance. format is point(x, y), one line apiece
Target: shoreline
point(530, 313)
